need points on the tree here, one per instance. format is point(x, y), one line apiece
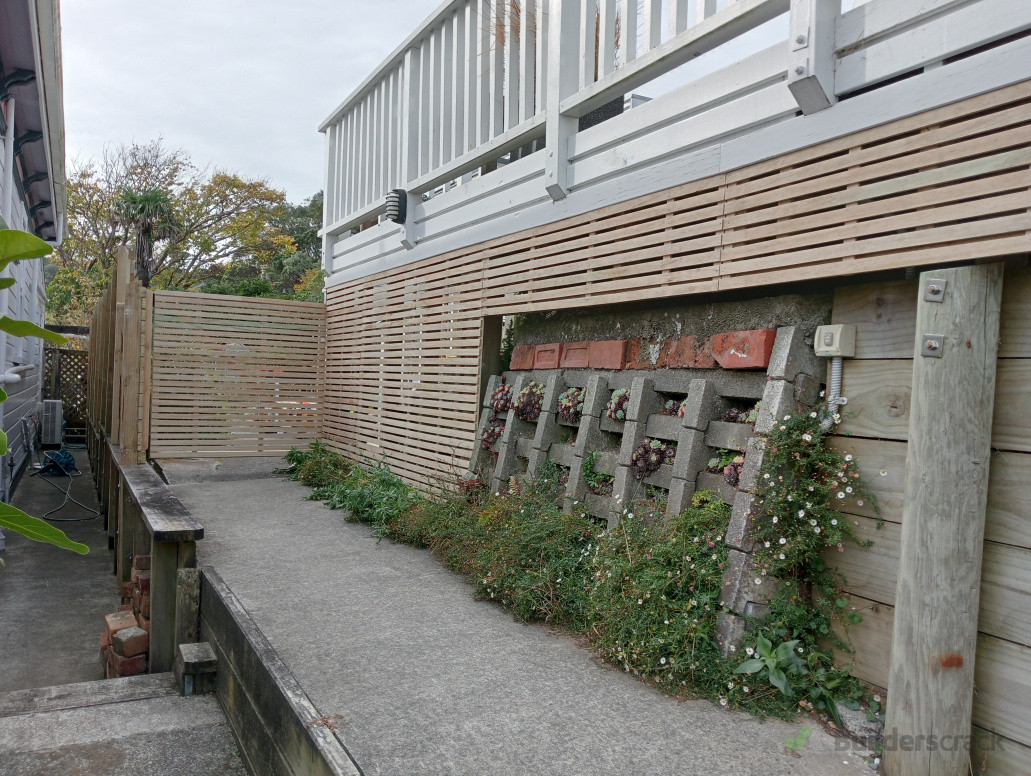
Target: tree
point(291, 269)
point(151, 215)
point(219, 217)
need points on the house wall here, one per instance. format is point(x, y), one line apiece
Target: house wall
point(404, 350)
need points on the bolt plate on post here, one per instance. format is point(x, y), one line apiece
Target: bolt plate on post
point(932, 345)
point(934, 291)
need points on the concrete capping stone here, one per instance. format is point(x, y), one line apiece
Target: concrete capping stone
point(791, 355)
point(278, 727)
point(739, 530)
point(755, 453)
point(778, 400)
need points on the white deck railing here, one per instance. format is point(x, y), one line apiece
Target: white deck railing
point(471, 83)
point(482, 78)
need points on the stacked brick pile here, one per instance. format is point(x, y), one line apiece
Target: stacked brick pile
point(126, 638)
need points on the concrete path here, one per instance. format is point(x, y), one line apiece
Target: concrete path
point(429, 680)
point(137, 726)
point(52, 601)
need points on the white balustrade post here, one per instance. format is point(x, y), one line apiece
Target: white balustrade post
point(563, 82)
point(411, 90)
point(811, 64)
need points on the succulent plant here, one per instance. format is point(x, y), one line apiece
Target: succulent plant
point(740, 415)
point(650, 455)
point(501, 399)
point(528, 403)
point(492, 432)
point(682, 408)
point(571, 405)
point(616, 408)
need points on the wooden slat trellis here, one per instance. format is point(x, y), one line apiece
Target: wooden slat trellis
point(947, 185)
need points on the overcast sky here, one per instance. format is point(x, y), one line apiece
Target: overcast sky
point(240, 85)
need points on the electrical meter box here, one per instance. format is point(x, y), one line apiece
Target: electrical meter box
point(838, 339)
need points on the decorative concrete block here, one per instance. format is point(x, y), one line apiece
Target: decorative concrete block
point(791, 355)
point(730, 436)
point(739, 530)
point(742, 582)
point(547, 356)
point(690, 352)
point(778, 400)
point(596, 396)
point(607, 354)
point(692, 455)
point(643, 400)
point(575, 355)
point(703, 404)
point(755, 451)
point(547, 431)
point(744, 349)
point(679, 497)
point(730, 629)
point(807, 389)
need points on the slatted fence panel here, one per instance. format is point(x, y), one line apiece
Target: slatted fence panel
point(234, 376)
point(950, 184)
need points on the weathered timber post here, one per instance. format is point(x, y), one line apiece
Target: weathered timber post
point(934, 641)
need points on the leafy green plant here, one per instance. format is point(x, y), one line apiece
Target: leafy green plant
point(775, 664)
point(316, 467)
point(597, 482)
point(17, 246)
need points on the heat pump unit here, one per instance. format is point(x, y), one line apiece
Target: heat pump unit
point(53, 421)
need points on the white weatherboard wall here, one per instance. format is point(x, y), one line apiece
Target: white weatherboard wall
point(738, 115)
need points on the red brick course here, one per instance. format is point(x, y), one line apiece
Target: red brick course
point(547, 356)
point(744, 349)
point(575, 355)
point(690, 353)
point(522, 357)
point(117, 621)
point(607, 354)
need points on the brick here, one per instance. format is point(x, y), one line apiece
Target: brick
point(117, 621)
point(143, 622)
point(130, 641)
point(646, 355)
point(144, 606)
point(607, 354)
point(125, 607)
point(522, 357)
point(575, 355)
point(744, 349)
point(126, 666)
point(690, 353)
point(105, 645)
point(141, 580)
point(547, 356)
point(141, 562)
point(125, 589)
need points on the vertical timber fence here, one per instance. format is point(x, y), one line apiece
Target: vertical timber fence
point(175, 374)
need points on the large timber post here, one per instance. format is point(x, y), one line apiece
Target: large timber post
point(934, 641)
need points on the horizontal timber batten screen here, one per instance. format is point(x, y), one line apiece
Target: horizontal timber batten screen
point(946, 185)
point(234, 376)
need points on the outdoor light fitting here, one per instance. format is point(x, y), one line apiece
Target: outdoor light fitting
point(397, 206)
